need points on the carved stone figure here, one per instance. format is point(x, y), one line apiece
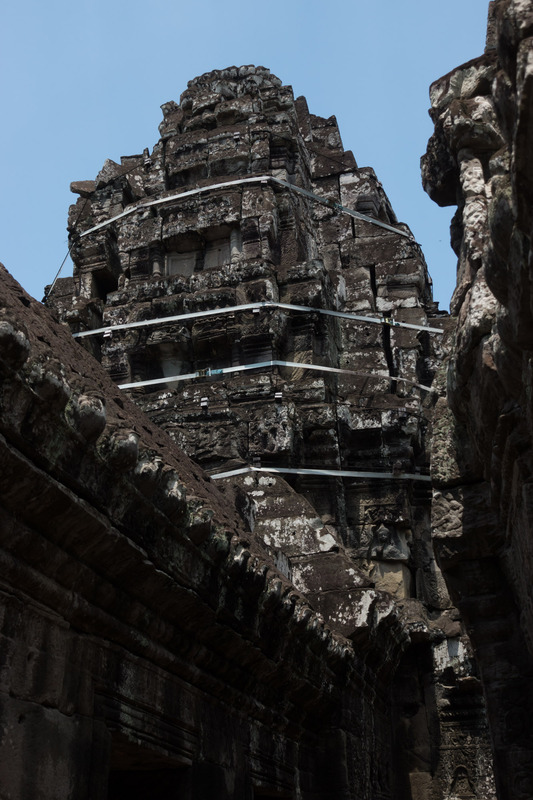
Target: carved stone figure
point(387, 544)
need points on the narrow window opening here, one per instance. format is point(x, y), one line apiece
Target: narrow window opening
point(212, 353)
point(373, 284)
point(255, 351)
point(103, 282)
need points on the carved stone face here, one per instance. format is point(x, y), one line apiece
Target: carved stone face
point(383, 534)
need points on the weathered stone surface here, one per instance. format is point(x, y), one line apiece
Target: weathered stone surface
point(250, 635)
point(144, 632)
point(482, 451)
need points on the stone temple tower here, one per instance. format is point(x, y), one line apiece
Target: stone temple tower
point(250, 288)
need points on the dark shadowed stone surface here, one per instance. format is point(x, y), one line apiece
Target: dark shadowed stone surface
point(143, 629)
point(480, 158)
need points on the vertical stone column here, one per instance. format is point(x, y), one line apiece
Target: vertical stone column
point(158, 262)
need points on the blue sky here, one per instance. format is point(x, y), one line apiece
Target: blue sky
point(83, 81)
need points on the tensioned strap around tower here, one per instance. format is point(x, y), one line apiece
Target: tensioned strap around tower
point(256, 179)
point(335, 473)
point(207, 373)
point(252, 307)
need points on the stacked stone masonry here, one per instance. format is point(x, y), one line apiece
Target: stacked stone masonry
point(262, 635)
point(479, 159)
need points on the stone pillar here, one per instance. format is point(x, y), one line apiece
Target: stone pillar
point(235, 244)
point(158, 262)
